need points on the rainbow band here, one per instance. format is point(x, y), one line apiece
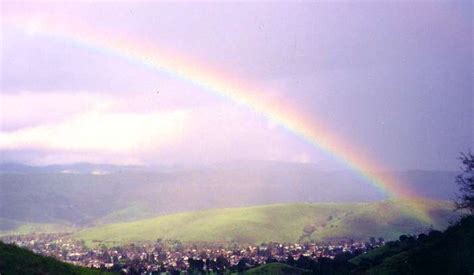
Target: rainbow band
point(311, 131)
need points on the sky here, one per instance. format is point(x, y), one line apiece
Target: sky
point(391, 79)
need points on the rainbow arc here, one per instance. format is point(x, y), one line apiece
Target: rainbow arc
point(313, 132)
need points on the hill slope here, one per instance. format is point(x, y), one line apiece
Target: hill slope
point(282, 223)
point(450, 252)
point(16, 260)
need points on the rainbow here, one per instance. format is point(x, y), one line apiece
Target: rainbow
point(288, 117)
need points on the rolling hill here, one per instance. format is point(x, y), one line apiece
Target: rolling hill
point(88, 194)
point(282, 223)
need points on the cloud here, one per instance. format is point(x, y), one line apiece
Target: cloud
point(133, 128)
point(100, 131)
point(27, 108)
point(84, 122)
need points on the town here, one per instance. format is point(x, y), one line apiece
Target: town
point(174, 257)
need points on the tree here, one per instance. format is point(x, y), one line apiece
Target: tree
point(465, 181)
point(222, 263)
point(372, 240)
point(242, 265)
point(196, 265)
point(291, 261)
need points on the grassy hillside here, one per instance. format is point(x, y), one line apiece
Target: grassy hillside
point(15, 260)
point(450, 252)
point(283, 223)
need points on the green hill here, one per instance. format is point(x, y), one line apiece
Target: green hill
point(282, 223)
point(450, 252)
point(15, 260)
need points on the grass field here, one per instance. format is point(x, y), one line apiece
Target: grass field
point(281, 222)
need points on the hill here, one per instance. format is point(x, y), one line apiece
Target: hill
point(88, 194)
point(282, 223)
point(449, 252)
point(16, 260)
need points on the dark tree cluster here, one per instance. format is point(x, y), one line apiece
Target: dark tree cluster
point(465, 181)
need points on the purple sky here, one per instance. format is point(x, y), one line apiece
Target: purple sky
point(394, 78)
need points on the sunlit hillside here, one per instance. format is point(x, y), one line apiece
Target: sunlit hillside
point(282, 223)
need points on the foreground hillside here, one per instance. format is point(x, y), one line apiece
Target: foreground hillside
point(450, 252)
point(15, 260)
point(281, 223)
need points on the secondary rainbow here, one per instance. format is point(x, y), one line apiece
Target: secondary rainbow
point(165, 61)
